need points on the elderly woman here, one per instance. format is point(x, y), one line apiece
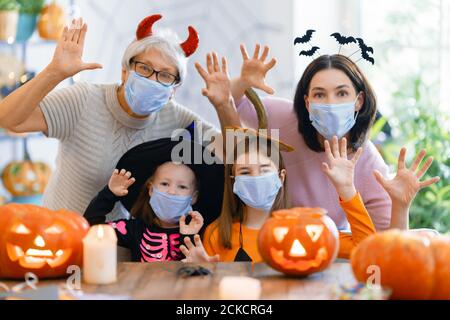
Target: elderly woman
point(97, 124)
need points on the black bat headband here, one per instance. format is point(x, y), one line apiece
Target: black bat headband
point(305, 39)
point(342, 40)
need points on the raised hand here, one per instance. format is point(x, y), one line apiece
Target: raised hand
point(120, 182)
point(194, 226)
point(217, 81)
point(67, 59)
point(196, 253)
point(404, 186)
point(339, 169)
point(254, 70)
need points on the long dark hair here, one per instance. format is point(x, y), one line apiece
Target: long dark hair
point(366, 115)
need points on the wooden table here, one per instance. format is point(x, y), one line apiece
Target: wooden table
point(159, 280)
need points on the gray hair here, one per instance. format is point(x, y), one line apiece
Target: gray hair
point(167, 42)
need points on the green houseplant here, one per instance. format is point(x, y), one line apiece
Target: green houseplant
point(420, 124)
point(9, 15)
point(29, 12)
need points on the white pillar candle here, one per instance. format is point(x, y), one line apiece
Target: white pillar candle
point(239, 288)
point(100, 255)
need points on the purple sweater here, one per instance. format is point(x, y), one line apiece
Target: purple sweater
point(308, 185)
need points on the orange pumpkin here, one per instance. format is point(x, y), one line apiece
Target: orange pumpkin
point(52, 22)
point(412, 265)
point(39, 240)
point(26, 178)
point(299, 241)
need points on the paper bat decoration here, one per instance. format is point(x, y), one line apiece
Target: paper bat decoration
point(310, 52)
point(306, 38)
point(343, 40)
point(364, 50)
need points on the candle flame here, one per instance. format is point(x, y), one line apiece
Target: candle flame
point(100, 232)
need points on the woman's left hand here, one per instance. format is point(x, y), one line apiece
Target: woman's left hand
point(194, 226)
point(339, 169)
point(218, 87)
point(404, 187)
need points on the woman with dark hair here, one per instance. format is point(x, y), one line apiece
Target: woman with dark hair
point(333, 97)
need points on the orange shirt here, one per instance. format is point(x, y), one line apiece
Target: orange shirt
point(360, 223)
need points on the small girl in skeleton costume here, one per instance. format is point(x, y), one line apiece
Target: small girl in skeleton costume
point(159, 195)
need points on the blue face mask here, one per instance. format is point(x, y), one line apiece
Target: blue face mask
point(332, 119)
point(258, 192)
point(169, 208)
point(145, 96)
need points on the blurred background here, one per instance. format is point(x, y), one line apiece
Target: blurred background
point(411, 41)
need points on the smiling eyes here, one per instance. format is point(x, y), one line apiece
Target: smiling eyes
point(53, 229)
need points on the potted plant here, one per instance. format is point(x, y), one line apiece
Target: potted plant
point(9, 15)
point(29, 11)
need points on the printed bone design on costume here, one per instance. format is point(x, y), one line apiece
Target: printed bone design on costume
point(159, 247)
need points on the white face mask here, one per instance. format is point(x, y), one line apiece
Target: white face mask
point(145, 96)
point(258, 192)
point(333, 119)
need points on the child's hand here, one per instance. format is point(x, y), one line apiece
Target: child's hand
point(339, 169)
point(404, 187)
point(194, 226)
point(218, 87)
point(120, 182)
point(254, 70)
point(196, 253)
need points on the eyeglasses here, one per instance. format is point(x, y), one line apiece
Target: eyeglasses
point(163, 77)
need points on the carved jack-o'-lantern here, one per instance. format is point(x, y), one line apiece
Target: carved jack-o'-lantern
point(299, 241)
point(39, 240)
point(26, 178)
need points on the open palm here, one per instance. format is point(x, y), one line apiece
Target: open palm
point(339, 169)
point(67, 59)
point(218, 86)
point(120, 182)
point(254, 70)
point(405, 185)
point(196, 253)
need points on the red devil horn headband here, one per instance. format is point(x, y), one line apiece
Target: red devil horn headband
point(145, 30)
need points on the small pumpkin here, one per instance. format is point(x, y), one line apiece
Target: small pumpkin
point(52, 22)
point(39, 240)
point(26, 178)
point(299, 241)
point(412, 265)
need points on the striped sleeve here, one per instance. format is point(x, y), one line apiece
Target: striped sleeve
point(62, 108)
